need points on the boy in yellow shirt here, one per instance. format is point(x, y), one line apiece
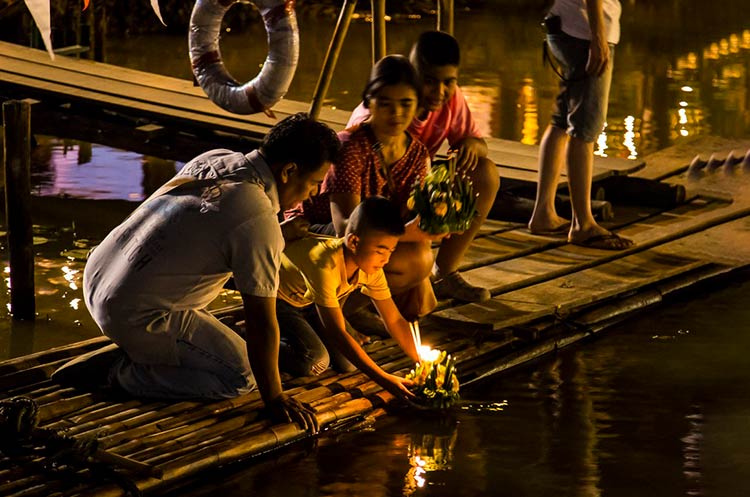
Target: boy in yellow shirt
point(316, 275)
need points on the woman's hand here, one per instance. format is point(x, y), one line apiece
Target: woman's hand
point(285, 409)
point(414, 233)
point(295, 228)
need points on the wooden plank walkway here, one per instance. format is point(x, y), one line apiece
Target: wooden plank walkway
point(177, 104)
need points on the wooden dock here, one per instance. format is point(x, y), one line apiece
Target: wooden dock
point(173, 119)
point(546, 294)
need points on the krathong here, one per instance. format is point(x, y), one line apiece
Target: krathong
point(434, 376)
point(444, 201)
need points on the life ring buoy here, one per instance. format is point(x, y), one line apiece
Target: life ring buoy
point(274, 78)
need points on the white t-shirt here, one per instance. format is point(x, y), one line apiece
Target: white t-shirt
point(575, 18)
point(176, 251)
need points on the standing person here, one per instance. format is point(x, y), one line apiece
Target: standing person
point(581, 34)
point(318, 273)
point(380, 157)
point(148, 283)
point(445, 115)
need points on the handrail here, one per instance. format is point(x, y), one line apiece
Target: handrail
point(445, 9)
point(445, 16)
point(378, 30)
point(332, 56)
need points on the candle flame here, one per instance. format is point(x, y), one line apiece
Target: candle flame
point(427, 354)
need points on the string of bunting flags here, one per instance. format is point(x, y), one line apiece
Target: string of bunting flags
point(40, 11)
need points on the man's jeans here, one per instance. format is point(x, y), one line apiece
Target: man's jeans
point(302, 351)
point(211, 359)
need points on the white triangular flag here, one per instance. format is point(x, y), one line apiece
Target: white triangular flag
point(155, 6)
point(40, 12)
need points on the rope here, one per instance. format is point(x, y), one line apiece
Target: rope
point(21, 438)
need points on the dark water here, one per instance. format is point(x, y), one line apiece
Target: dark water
point(658, 406)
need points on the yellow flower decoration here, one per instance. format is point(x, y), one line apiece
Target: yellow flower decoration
point(411, 203)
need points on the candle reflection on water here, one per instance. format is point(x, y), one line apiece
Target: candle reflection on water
point(430, 456)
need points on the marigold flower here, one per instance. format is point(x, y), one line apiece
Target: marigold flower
point(441, 209)
point(411, 203)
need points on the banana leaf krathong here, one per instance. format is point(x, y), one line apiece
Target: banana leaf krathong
point(434, 376)
point(444, 201)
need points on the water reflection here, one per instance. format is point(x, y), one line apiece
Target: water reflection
point(430, 454)
point(60, 252)
point(73, 168)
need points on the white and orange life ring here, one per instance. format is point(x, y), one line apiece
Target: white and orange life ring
point(274, 78)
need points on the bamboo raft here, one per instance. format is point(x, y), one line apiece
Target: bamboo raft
point(547, 295)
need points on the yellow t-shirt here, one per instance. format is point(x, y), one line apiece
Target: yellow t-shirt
point(313, 271)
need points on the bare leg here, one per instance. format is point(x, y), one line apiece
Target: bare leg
point(408, 275)
point(410, 263)
point(551, 160)
point(580, 157)
point(486, 183)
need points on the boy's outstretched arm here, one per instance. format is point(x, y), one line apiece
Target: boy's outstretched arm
point(334, 329)
point(397, 326)
point(263, 351)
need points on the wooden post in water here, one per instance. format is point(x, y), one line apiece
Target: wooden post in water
point(378, 30)
point(445, 16)
point(332, 56)
point(17, 140)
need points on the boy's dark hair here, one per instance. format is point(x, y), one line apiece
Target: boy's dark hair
point(376, 214)
point(388, 71)
point(435, 48)
point(302, 140)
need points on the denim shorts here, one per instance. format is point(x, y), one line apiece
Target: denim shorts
point(581, 105)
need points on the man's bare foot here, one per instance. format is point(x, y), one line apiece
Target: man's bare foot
point(559, 226)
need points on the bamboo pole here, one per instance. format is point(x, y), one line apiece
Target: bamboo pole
point(445, 10)
point(220, 432)
point(378, 30)
point(103, 409)
point(132, 446)
point(35, 374)
point(332, 56)
point(17, 142)
point(67, 406)
point(32, 390)
point(54, 396)
point(45, 356)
